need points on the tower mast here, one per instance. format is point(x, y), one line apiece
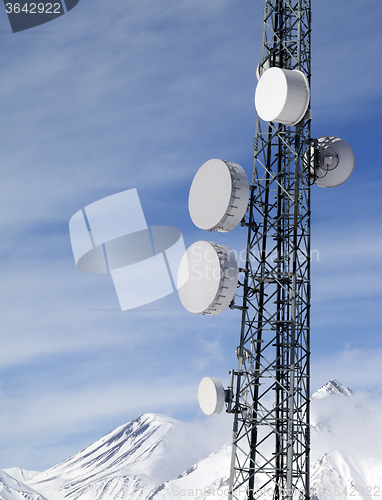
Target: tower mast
point(269, 391)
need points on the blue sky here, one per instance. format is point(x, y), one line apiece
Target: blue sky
point(125, 94)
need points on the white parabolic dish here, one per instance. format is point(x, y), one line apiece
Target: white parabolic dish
point(282, 96)
point(335, 162)
point(211, 395)
point(207, 278)
point(218, 196)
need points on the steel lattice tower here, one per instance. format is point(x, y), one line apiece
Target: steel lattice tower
point(269, 392)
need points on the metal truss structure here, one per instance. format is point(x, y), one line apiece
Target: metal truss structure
point(269, 392)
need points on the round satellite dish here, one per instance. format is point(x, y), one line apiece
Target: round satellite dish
point(335, 162)
point(218, 196)
point(207, 278)
point(211, 395)
point(282, 96)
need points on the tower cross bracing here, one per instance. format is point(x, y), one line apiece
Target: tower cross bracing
point(269, 391)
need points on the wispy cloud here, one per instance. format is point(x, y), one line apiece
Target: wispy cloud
point(357, 367)
point(138, 95)
point(351, 424)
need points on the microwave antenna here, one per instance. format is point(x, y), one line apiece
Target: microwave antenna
point(269, 392)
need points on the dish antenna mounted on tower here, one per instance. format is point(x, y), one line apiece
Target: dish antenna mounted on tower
point(269, 391)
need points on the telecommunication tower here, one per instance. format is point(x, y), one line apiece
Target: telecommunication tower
point(270, 453)
point(269, 391)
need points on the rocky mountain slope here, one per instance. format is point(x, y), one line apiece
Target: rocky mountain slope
point(12, 489)
point(120, 465)
point(132, 462)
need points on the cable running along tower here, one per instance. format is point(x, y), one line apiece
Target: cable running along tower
point(270, 389)
point(269, 392)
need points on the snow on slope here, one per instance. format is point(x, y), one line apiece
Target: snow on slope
point(21, 475)
point(333, 387)
point(336, 474)
point(11, 489)
point(206, 479)
point(342, 476)
point(323, 409)
point(130, 463)
point(118, 466)
point(372, 468)
point(343, 471)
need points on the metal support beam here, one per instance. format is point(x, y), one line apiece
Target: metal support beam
point(270, 403)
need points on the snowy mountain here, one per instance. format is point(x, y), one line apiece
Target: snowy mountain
point(338, 474)
point(145, 460)
point(21, 475)
point(321, 419)
point(131, 462)
point(344, 469)
point(208, 478)
point(333, 387)
point(123, 464)
point(12, 489)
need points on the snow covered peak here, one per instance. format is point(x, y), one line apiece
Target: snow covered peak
point(117, 462)
point(12, 489)
point(333, 387)
point(136, 462)
point(21, 474)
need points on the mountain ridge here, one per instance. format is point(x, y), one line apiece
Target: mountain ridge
point(127, 463)
point(12, 489)
point(114, 462)
point(333, 388)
